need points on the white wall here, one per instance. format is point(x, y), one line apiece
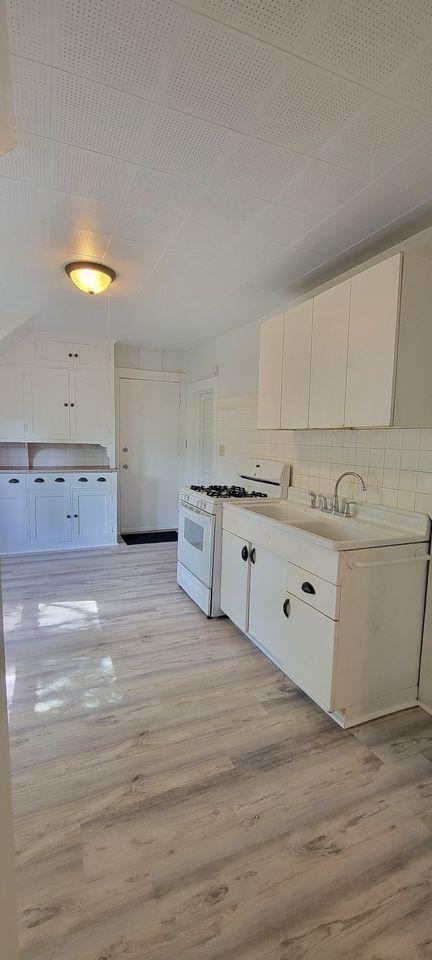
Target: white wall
point(233, 356)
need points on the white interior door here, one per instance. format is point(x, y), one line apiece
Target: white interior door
point(201, 432)
point(149, 433)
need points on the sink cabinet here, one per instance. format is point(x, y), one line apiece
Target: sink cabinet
point(345, 626)
point(235, 579)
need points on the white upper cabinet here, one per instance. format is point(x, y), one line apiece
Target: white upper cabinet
point(91, 355)
point(73, 355)
point(47, 400)
point(65, 394)
point(357, 355)
point(329, 356)
point(373, 331)
point(296, 366)
point(56, 352)
point(90, 405)
point(270, 373)
point(12, 418)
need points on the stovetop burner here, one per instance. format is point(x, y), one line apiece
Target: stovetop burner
point(225, 492)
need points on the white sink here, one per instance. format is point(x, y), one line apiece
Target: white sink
point(338, 528)
point(371, 527)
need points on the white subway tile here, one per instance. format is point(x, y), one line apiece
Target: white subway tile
point(411, 439)
point(389, 497)
point(405, 500)
point(392, 458)
point(394, 439)
point(425, 461)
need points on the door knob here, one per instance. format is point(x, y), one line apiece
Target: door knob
point(125, 466)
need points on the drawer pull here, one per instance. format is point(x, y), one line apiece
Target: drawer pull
point(253, 555)
point(83, 479)
point(307, 587)
point(13, 480)
point(245, 553)
point(39, 480)
point(286, 607)
point(59, 479)
point(101, 479)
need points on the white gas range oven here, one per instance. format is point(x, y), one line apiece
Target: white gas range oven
point(200, 527)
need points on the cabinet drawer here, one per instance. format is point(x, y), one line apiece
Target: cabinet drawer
point(41, 483)
point(12, 484)
point(100, 482)
point(313, 590)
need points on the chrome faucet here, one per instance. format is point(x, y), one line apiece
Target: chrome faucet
point(335, 501)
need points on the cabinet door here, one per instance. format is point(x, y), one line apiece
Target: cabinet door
point(48, 403)
point(268, 624)
point(56, 352)
point(92, 517)
point(235, 579)
point(90, 405)
point(50, 519)
point(329, 356)
point(12, 426)
point(90, 355)
point(14, 523)
point(296, 366)
point(270, 373)
point(310, 648)
point(373, 329)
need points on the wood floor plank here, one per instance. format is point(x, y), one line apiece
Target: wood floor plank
point(175, 796)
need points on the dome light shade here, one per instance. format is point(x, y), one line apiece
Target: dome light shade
point(90, 277)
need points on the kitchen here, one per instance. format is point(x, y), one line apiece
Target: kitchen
point(216, 479)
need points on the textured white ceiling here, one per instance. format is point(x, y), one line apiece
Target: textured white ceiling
point(215, 153)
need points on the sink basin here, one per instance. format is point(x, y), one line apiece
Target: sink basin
point(333, 528)
point(371, 527)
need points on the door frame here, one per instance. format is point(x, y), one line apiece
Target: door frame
point(194, 389)
point(131, 373)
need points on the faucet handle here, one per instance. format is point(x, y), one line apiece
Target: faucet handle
point(323, 503)
point(347, 508)
point(313, 498)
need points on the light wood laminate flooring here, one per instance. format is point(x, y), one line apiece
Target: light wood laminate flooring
point(176, 798)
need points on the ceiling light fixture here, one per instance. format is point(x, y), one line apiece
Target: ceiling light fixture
point(90, 277)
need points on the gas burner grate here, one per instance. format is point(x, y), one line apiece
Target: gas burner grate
point(222, 491)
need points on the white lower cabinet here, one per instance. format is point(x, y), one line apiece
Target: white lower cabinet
point(50, 520)
point(345, 627)
point(297, 637)
point(14, 527)
point(235, 579)
point(54, 511)
point(92, 514)
point(267, 614)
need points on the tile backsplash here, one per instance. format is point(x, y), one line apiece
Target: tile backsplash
point(67, 455)
point(395, 464)
point(22, 455)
